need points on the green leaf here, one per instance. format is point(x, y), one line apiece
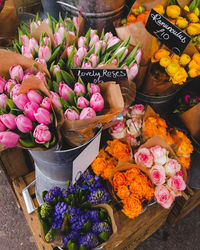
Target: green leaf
point(71, 97)
point(70, 60)
point(10, 104)
point(50, 22)
point(87, 226)
point(56, 86)
point(55, 53)
point(103, 236)
point(64, 103)
point(46, 144)
point(113, 48)
point(131, 57)
point(68, 78)
point(82, 247)
point(87, 36)
point(43, 194)
point(61, 63)
point(53, 142)
point(102, 35)
point(50, 84)
point(71, 245)
point(51, 68)
point(73, 107)
point(81, 81)
point(45, 226)
point(28, 143)
point(52, 234)
point(58, 77)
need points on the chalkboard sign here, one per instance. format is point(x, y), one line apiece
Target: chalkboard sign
point(169, 34)
point(100, 75)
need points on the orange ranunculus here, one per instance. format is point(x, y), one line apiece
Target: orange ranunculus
point(136, 189)
point(159, 54)
point(185, 161)
point(118, 150)
point(118, 179)
point(107, 173)
point(132, 207)
point(131, 174)
point(123, 192)
point(98, 165)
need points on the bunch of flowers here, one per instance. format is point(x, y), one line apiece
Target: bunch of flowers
point(133, 188)
point(1, 4)
point(94, 51)
point(108, 158)
point(173, 68)
point(25, 118)
point(131, 127)
point(185, 103)
point(165, 172)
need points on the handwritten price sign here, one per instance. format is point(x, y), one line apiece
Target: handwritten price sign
point(169, 34)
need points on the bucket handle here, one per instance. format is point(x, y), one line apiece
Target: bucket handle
point(27, 198)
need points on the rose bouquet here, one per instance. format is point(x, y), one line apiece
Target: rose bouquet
point(164, 170)
point(133, 187)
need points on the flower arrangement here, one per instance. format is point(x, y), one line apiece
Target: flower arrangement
point(108, 158)
point(185, 103)
point(165, 172)
point(131, 127)
point(133, 188)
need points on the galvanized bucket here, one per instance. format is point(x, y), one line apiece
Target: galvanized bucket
point(54, 168)
point(97, 14)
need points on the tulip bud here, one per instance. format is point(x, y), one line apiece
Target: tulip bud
point(114, 61)
point(94, 88)
point(82, 53)
point(47, 40)
point(107, 36)
point(94, 59)
point(69, 50)
point(42, 116)
point(8, 120)
point(3, 99)
point(9, 139)
point(44, 53)
point(2, 127)
point(33, 44)
point(20, 100)
point(55, 69)
point(42, 134)
point(42, 61)
point(101, 65)
point(82, 102)
point(79, 88)
point(81, 41)
point(59, 35)
point(71, 114)
point(46, 103)
point(33, 96)
point(10, 83)
point(87, 113)
point(24, 124)
point(16, 72)
point(103, 46)
point(30, 108)
point(25, 40)
point(112, 41)
point(75, 21)
point(124, 53)
point(15, 89)
point(97, 102)
point(41, 76)
point(2, 84)
point(27, 76)
point(26, 51)
point(138, 55)
point(97, 46)
point(126, 68)
point(64, 90)
point(87, 65)
point(34, 25)
point(93, 40)
point(55, 99)
point(92, 33)
point(133, 71)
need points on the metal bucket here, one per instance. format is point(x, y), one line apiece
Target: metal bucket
point(54, 168)
point(97, 14)
point(51, 7)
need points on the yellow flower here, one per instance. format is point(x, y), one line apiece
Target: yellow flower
point(165, 61)
point(196, 58)
point(172, 68)
point(173, 11)
point(193, 73)
point(193, 29)
point(196, 11)
point(184, 59)
point(175, 59)
point(160, 9)
point(159, 54)
point(193, 18)
point(193, 65)
point(180, 76)
point(186, 8)
point(181, 22)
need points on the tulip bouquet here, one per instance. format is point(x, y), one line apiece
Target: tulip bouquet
point(164, 170)
point(1, 4)
point(26, 117)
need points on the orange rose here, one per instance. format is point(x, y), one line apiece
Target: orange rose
point(136, 189)
point(118, 179)
point(131, 174)
point(123, 192)
point(98, 165)
point(132, 207)
point(185, 161)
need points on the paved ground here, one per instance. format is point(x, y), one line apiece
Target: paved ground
point(15, 234)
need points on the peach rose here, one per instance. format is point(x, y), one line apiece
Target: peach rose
point(160, 154)
point(172, 167)
point(163, 196)
point(157, 174)
point(123, 192)
point(143, 157)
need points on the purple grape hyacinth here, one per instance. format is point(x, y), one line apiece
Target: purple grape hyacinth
point(94, 215)
point(81, 220)
point(102, 227)
point(73, 235)
point(54, 192)
point(99, 196)
point(89, 240)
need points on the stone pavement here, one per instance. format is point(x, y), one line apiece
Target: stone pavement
point(15, 234)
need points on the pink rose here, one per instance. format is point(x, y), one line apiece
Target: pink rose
point(79, 88)
point(55, 99)
point(134, 126)
point(97, 102)
point(180, 173)
point(82, 102)
point(30, 108)
point(42, 116)
point(176, 184)
point(2, 127)
point(34, 96)
point(16, 73)
point(132, 140)
point(46, 103)
point(3, 100)
point(144, 157)
point(87, 113)
point(24, 124)
point(136, 110)
point(171, 167)
point(42, 134)
point(94, 88)
point(10, 83)
point(8, 120)
point(9, 139)
point(71, 114)
point(160, 155)
point(2, 84)
point(163, 196)
point(157, 174)
point(64, 90)
point(118, 130)
point(44, 53)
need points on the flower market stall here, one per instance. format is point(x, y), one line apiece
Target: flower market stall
point(103, 122)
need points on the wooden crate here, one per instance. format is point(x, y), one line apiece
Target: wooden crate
point(130, 234)
point(183, 206)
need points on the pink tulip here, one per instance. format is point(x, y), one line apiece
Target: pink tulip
point(25, 40)
point(107, 36)
point(75, 21)
point(93, 40)
point(8, 120)
point(42, 116)
point(2, 127)
point(112, 41)
point(34, 96)
point(133, 71)
point(100, 44)
point(97, 102)
point(92, 33)
point(81, 41)
point(47, 40)
point(30, 108)
point(33, 45)
point(126, 68)
point(101, 65)
point(71, 33)
point(114, 61)
point(64, 90)
point(2, 84)
point(77, 62)
point(87, 65)
point(56, 68)
point(79, 88)
point(9, 139)
point(82, 53)
point(69, 50)
point(94, 59)
point(16, 72)
point(58, 25)
point(59, 35)
point(41, 76)
point(34, 25)
point(94, 88)
point(87, 113)
point(55, 99)
point(82, 102)
point(42, 61)
point(123, 55)
point(42, 134)
point(24, 124)
point(71, 114)
point(46, 103)
point(27, 76)
point(3, 98)
point(15, 89)
point(10, 83)
point(20, 100)
point(44, 53)
point(138, 55)
point(26, 51)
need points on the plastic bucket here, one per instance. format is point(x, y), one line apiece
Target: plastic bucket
point(54, 168)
